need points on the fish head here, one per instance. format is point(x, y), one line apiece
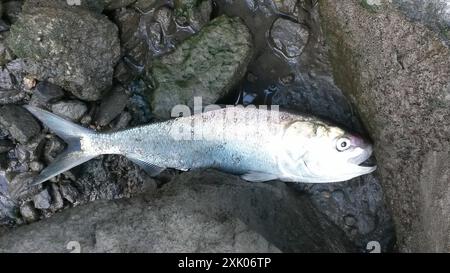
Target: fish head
point(317, 152)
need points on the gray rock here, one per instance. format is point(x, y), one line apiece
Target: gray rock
point(69, 193)
point(397, 73)
point(20, 124)
point(57, 198)
point(42, 200)
point(73, 109)
point(6, 54)
point(289, 37)
point(145, 6)
point(205, 65)
point(48, 92)
point(72, 47)
point(53, 146)
point(288, 7)
point(111, 106)
point(8, 93)
point(29, 213)
point(36, 166)
point(202, 211)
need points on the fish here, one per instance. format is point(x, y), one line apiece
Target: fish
point(258, 144)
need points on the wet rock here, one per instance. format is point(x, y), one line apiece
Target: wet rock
point(42, 200)
point(193, 13)
point(72, 47)
point(111, 106)
point(391, 67)
point(19, 123)
point(204, 212)
point(73, 109)
point(206, 65)
point(29, 213)
point(48, 92)
point(289, 37)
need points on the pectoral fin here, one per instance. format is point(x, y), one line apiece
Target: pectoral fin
point(149, 168)
point(258, 177)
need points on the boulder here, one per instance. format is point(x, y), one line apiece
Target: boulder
point(397, 73)
point(73, 47)
point(205, 211)
point(206, 65)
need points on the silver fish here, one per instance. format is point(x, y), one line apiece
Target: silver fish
point(258, 144)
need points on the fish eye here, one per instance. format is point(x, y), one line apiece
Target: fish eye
point(343, 144)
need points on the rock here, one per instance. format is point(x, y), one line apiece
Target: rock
point(123, 121)
point(19, 123)
point(48, 92)
point(96, 6)
point(6, 54)
point(111, 106)
point(53, 146)
point(289, 7)
point(6, 145)
point(29, 213)
point(203, 212)
point(72, 47)
point(390, 68)
point(117, 4)
point(206, 65)
point(18, 188)
point(57, 199)
point(193, 13)
point(8, 93)
point(289, 37)
point(42, 200)
point(36, 166)
point(69, 193)
point(73, 110)
point(12, 10)
point(145, 6)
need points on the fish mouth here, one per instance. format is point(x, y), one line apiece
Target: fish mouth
point(364, 162)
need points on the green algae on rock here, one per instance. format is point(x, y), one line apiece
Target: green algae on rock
point(206, 65)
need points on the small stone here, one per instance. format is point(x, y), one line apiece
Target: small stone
point(73, 110)
point(48, 92)
point(21, 154)
point(42, 200)
point(52, 148)
point(69, 193)
point(289, 7)
point(12, 10)
point(19, 123)
point(29, 213)
point(58, 202)
point(36, 166)
point(111, 106)
point(18, 188)
point(289, 37)
point(123, 121)
point(29, 82)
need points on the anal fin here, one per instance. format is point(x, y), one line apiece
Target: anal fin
point(149, 168)
point(258, 177)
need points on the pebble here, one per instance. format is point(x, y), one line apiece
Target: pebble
point(42, 200)
point(28, 212)
point(111, 106)
point(73, 110)
point(48, 92)
point(21, 125)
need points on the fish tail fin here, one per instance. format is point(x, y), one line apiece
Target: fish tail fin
point(72, 134)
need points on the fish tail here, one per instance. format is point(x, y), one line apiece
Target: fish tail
point(72, 134)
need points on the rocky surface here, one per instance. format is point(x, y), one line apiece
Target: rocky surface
point(290, 67)
point(206, 65)
point(397, 73)
point(73, 48)
point(203, 212)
